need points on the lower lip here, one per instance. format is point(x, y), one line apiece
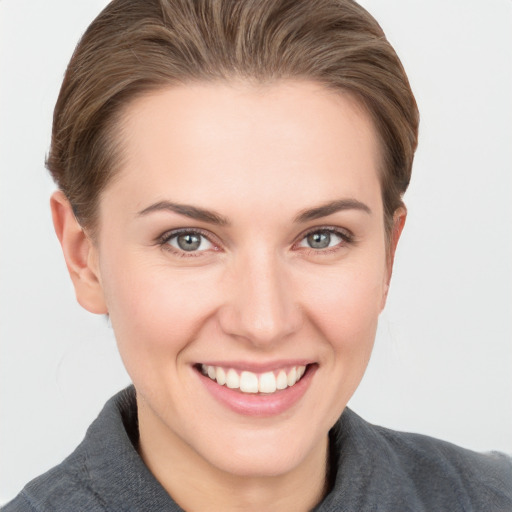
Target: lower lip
point(261, 405)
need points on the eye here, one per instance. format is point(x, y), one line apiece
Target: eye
point(188, 241)
point(324, 239)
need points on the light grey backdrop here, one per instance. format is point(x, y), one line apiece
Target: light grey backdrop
point(443, 358)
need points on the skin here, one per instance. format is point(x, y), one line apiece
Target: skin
point(255, 292)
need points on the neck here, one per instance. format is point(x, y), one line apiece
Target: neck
point(197, 485)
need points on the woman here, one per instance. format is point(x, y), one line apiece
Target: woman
point(230, 179)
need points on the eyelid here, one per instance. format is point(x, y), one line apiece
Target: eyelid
point(164, 238)
point(345, 234)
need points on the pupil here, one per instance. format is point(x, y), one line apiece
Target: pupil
point(319, 240)
point(189, 242)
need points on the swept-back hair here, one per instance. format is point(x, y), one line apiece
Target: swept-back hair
point(136, 46)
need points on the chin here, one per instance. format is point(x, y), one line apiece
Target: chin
point(265, 452)
point(261, 463)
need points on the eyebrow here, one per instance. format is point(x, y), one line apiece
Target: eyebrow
point(192, 212)
point(202, 214)
point(330, 208)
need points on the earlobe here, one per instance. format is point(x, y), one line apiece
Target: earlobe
point(80, 254)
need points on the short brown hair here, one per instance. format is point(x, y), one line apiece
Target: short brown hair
point(136, 46)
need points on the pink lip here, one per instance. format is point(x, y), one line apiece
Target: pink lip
point(259, 405)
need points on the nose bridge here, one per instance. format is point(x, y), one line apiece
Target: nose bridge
point(261, 305)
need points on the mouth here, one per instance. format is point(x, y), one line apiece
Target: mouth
point(250, 382)
point(250, 391)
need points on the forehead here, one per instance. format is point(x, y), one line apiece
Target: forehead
point(247, 140)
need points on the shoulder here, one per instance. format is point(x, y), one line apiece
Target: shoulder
point(384, 469)
point(88, 479)
point(105, 472)
point(476, 478)
point(65, 487)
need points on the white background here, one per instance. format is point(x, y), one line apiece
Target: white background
point(443, 358)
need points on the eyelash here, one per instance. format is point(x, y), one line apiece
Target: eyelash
point(346, 236)
point(164, 240)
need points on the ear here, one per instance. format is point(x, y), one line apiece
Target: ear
point(399, 218)
point(80, 254)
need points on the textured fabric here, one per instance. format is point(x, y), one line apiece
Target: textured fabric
point(374, 469)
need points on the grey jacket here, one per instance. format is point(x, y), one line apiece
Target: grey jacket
point(373, 469)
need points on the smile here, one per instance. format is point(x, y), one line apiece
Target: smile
point(250, 382)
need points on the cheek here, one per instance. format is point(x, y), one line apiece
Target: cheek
point(347, 304)
point(155, 312)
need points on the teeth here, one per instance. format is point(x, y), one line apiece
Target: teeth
point(221, 376)
point(249, 382)
point(267, 383)
point(282, 380)
point(232, 379)
point(292, 377)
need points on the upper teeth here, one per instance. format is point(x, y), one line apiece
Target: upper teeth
point(249, 382)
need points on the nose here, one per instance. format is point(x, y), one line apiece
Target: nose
point(260, 306)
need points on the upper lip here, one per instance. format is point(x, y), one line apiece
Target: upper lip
point(259, 367)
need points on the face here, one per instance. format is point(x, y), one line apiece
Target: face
point(240, 248)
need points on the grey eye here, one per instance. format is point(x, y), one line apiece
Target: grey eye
point(190, 242)
point(321, 239)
